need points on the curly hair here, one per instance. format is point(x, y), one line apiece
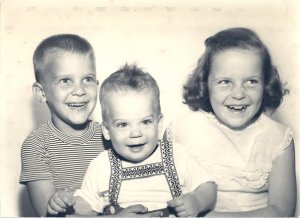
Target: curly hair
point(195, 90)
point(129, 78)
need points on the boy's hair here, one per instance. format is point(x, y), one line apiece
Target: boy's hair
point(60, 43)
point(195, 90)
point(129, 78)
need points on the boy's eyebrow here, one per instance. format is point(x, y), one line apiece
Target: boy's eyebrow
point(70, 75)
point(149, 116)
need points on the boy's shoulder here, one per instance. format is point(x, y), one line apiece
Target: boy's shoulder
point(41, 130)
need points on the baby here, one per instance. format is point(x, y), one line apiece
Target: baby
point(140, 174)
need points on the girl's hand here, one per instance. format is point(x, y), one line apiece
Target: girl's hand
point(185, 205)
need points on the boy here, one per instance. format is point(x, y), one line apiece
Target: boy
point(56, 155)
point(140, 173)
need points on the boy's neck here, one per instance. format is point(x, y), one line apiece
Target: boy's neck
point(73, 130)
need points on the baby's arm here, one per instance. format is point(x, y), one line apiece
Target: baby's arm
point(192, 204)
point(282, 189)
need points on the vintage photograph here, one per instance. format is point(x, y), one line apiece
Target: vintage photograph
point(150, 108)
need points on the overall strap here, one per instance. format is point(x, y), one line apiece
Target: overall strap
point(170, 169)
point(115, 177)
point(166, 167)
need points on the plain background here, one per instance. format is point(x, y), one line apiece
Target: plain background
point(164, 37)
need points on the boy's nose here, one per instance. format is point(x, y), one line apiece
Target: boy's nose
point(79, 90)
point(238, 92)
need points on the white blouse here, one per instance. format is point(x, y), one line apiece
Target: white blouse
point(239, 161)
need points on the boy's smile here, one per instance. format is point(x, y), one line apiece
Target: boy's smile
point(70, 89)
point(235, 85)
point(132, 123)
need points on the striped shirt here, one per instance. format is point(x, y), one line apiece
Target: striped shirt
point(49, 154)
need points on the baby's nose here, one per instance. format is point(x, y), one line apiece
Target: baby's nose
point(135, 132)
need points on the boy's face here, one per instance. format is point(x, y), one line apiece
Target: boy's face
point(132, 123)
point(236, 86)
point(69, 86)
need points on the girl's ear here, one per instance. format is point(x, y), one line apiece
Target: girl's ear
point(105, 131)
point(38, 92)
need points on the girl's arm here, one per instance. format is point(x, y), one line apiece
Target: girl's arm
point(282, 189)
point(40, 191)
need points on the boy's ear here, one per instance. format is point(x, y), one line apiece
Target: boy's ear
point(105, 131)
point(38, 92)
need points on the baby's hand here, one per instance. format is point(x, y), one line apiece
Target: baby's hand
point(60, 201)
point(138, 210)
point(185, 205)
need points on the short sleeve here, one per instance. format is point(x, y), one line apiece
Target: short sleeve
point(35, 160)
point(168, 135)
point(94, 189)
point(286, 141)
point(191, 173)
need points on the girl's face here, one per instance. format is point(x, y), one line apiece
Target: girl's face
point(236, 85)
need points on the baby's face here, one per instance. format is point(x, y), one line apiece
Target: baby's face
point(236, 85)
point(70, 87)
point(132, 123)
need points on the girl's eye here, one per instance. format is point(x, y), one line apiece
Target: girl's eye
point(121, 125)
point(252, 82)
point(147, 122)
point(224, 82)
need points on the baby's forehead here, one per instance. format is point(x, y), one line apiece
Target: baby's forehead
point(145, 94)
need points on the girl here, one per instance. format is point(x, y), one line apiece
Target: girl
point(250, 156)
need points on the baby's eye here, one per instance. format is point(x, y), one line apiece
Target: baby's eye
point(121, 125)
point(65, 81)
point(147, 122)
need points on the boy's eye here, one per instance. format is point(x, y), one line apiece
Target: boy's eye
point(121, 125)
point(90, 79)
point(147, 122)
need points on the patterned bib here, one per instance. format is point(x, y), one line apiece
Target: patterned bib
point(166, 167)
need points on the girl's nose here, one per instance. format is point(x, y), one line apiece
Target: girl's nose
point(238, 92)
point(79, 90)
point(135, 132)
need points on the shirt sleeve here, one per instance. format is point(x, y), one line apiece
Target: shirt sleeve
point(191, 172)
point(94, 189)
point(34, 160)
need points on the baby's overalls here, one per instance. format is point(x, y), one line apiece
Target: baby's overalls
point(119, 174)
